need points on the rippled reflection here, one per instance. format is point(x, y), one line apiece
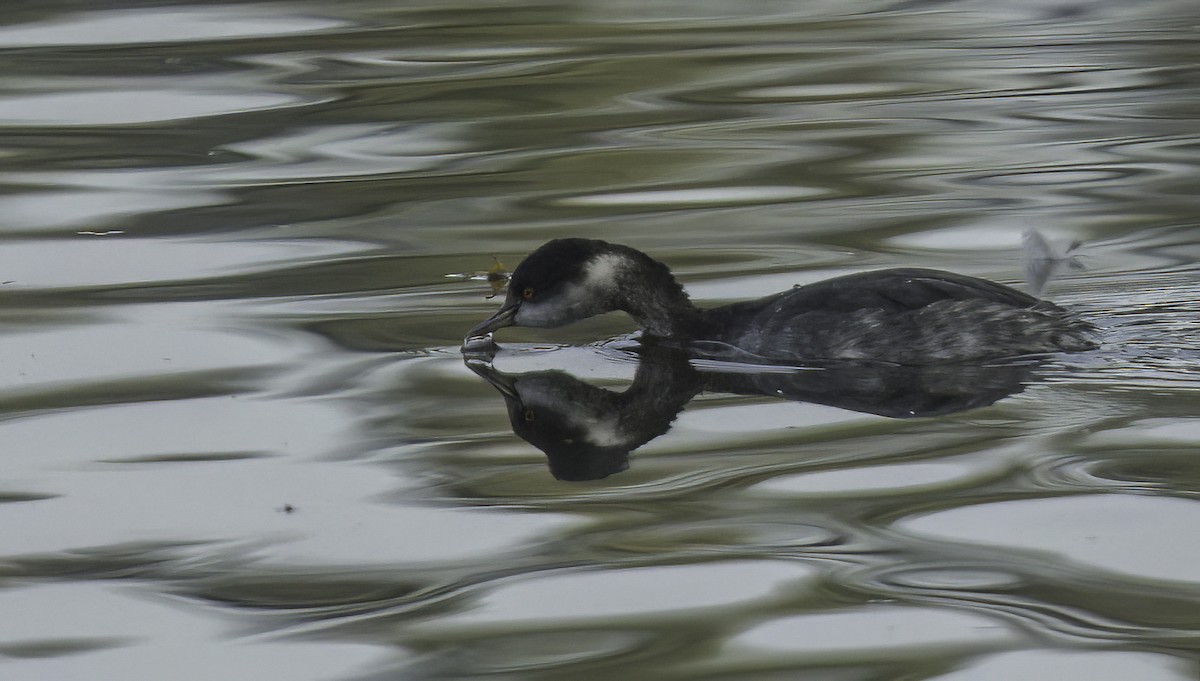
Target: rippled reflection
point(587, 431)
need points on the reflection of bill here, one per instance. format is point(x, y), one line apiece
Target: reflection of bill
point(587, 432)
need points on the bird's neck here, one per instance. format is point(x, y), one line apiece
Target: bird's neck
point(649, 293)
point(666, 316)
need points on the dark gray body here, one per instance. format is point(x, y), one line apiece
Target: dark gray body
point(903, 316)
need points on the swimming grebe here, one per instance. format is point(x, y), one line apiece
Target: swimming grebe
point(902, 316)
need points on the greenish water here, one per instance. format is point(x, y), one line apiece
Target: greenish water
point(238, 440)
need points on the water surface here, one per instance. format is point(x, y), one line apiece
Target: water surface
point(239, 440)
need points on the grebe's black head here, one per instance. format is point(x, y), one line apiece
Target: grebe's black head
point(563, 281)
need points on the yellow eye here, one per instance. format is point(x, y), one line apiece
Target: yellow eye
point(527, 294)
point(528, 414)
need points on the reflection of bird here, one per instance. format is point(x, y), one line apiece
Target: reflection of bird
point(903, 316)
point(587, 432)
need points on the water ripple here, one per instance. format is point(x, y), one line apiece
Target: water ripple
point(161, 25)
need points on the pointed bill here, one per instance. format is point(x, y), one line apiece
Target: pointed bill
point(506, 316)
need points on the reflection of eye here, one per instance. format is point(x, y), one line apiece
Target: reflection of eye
point(529, 414)
point(527, 294)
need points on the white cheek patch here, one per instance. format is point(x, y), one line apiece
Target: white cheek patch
point(602, 271)
point(535, 314)
point(554, 311)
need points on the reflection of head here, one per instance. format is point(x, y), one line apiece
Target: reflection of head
point(586, 431)
point(577, 425)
